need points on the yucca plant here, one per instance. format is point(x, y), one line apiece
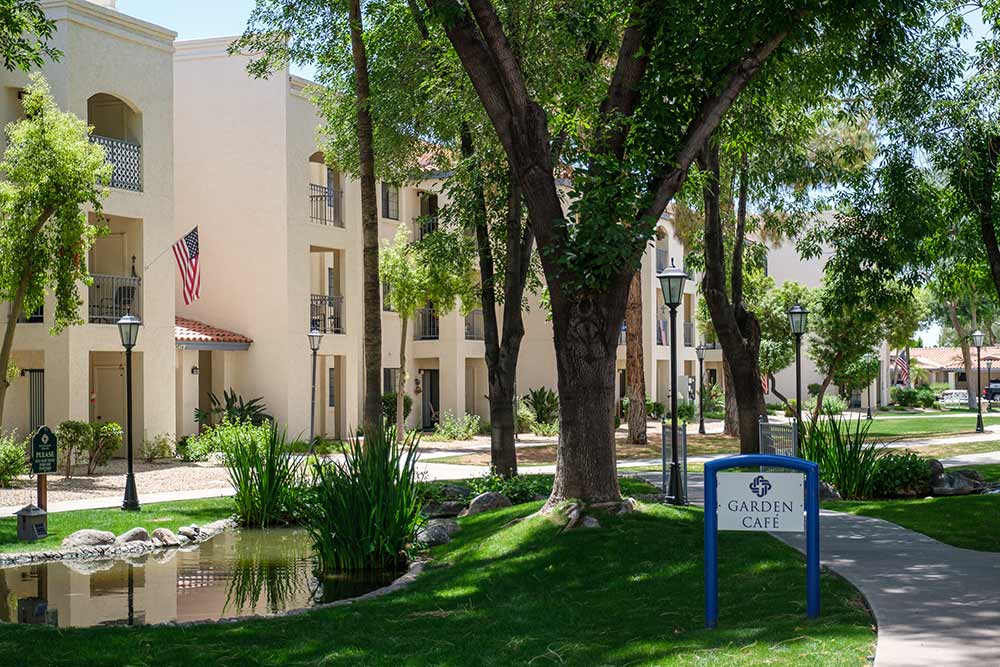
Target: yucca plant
point(364, 510)
point(264, 474)
point(846, 458)
point(544, 404)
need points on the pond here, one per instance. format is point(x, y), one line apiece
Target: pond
point(236, 573)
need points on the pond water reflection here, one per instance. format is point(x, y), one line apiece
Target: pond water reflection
point(261, 572)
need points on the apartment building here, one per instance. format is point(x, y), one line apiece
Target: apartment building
point(115, 72)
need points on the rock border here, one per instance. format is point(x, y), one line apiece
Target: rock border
point(116, 550)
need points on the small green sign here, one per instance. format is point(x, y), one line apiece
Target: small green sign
point(43, 452)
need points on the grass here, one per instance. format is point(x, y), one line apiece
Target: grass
point(630, 486)
point(955, 449)
point(161, 515)
point(991, 471)
point(920, 427)
point(629, 593)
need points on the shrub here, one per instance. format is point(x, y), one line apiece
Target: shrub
point(714, 400)
point(846, 458)
point(364, 511)
point(549, 430)
point(685, 411)
point(235, 409)
point(264, 474)
point(104, 440)
point(157, 447)
point(74, 439)
point(898, 475)
point(654, 409)
point(218, 439)
point(544, 405)
point(389, 406)
point(13, 458)
point(904, 396)
point(519, 488)
point(456, 428)
point(926, 398)
point(831, 405)
point(525, 417)
point(813, 388)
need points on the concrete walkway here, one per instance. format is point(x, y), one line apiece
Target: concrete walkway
point(934, 604)
point(104, 502)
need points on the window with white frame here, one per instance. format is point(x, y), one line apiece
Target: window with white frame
point(390, 201)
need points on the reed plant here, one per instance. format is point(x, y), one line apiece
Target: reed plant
point(847, 458)
point(364, 510)
point(265, 473)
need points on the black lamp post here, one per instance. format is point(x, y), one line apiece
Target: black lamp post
point(672, 285)
point(977, 340)
point(700, 351)
point(798, 318)
point(128, 329)
point(989, 373)
point(315, 339)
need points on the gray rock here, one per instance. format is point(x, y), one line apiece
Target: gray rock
point(956, 484)
point(89, 566)
point(448, 508)
point(451, 525)
point(433, 535)
point(182, 540)
point(828, 492)
point(455, 491)
point(589, 522)
point(166, 537)
point(485, 502)
point(89, 537)
point(190, 532)
point(937, 468)
point(137, 534)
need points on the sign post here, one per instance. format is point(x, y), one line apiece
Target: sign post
point(761, 501)
point(44, 459)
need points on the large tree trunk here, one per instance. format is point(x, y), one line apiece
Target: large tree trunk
point(737, 329)
point(963, 337)
point(987, 228)
point(401, 381)
point(731, 415)
point(823, 386)
point(369, 225)
point(7, 349)
point(635, 375)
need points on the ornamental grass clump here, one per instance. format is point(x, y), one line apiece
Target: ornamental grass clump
point(846, 457)
point(364, 511)
point(266, 474)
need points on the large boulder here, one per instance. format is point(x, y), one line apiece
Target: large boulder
point(485, 502)
point(137, 534)
point(433, 535)
point(88, 537)
point(166, 537)
point(191, 532)
point(955, 482)
point(455, 491)
point(447, 508)
point(828, 492)
point(450, 525)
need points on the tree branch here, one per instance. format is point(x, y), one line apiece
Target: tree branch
point(623, 91)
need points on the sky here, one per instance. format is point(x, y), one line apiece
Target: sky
point(198, 19)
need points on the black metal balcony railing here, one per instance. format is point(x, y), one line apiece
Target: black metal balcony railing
point(661, 260)
point(425, 226)
point(114, 297)
point(126, 157)
point(475, 328)
point(688, 334)
point(326, 205)
point(427, 327)
point(326, 313)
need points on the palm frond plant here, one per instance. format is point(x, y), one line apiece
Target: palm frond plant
point(364, 510)
point(544, 404)
point(847, 458)
point(265, 474)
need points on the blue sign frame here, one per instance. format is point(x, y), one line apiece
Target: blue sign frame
point(811, 471)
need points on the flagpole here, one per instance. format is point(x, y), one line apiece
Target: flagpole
point(164, 251)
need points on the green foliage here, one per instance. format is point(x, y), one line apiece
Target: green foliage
point(654, 409)
point(831, 404)
point(858, 373)
point(451, 427)
point(525, 417)
point(846, 457)
point(74, 438)
point(13, 458)
point(905, 474)
point(813, 388)
point(519, 488)
point(685, 411)
point(545, 430)
point(218, 439)
point(544, 405)
point(389, 406)
point(105, 439)
point(911, 397)
point(235, 409)
point(158, 447)
point(25, 34)
point(265, 474)
point(364, 511)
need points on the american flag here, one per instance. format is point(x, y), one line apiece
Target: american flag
point(764, 384)
point(903, 365)
point(186, 254)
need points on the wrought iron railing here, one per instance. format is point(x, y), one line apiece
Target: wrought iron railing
point(427, 326)
point(114, 297)
point(475, 327)
point(426, 225)
point(126, 158)
point(689, 334)
point(326, 313)
point(661, 260)
point(326, 205)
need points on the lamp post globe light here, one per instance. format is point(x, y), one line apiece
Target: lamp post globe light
point(798, 321)
point(315, 340)
point(700, 351)
point(672, 285)
point(977, 340)
point(128, 329)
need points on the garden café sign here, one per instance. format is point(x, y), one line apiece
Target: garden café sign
point(761, 501)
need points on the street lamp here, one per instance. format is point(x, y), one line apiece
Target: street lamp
point(315, 339)
point(128, 329)
point(700, 351)
point(977, 340)
point(798, 319)
point(672, 285)
point(871, 358)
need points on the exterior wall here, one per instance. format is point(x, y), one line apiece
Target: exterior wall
point(107, 52)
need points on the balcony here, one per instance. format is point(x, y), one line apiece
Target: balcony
point(621, 335)
point(126, 158)
point(326, 313)
point(326, 205)
point(688, 334)
point(114, 297)
point(662, 262)
point(426, 226)
point(475, 328)
point(427, 327)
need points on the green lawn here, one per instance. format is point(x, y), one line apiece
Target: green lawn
point(920, 427)
point(629, 593)
point(150, 517)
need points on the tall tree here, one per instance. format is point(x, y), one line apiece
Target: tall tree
point(50, 169)
point(25, 34)
point(635, 373)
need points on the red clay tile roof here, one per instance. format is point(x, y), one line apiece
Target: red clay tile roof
point(943, 358)
point(192, 331)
